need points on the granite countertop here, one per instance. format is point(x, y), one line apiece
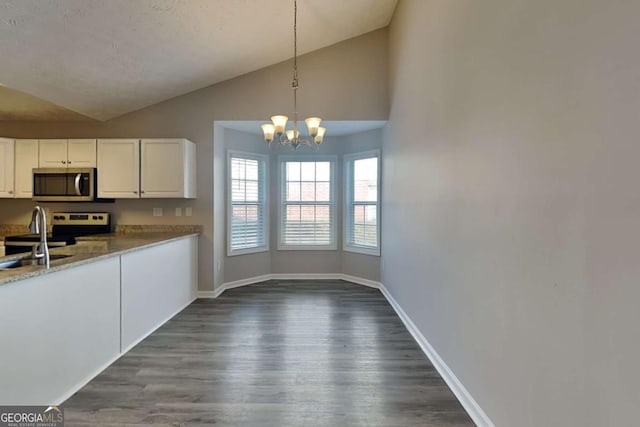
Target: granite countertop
point(89, 249)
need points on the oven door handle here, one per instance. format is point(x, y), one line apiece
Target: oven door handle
point(77, 184)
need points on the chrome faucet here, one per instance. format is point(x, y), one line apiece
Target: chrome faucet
point(39, 226)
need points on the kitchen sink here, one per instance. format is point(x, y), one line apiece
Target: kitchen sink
point(21, 262)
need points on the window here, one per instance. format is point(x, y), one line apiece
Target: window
point(362, 203)
point(307, 215)
point(247, 216)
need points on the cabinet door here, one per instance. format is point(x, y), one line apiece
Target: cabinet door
point(26, 161)
point(6, 167)
point(81, 153)
point(53, 153)
point(162, 168)
point(118, 168)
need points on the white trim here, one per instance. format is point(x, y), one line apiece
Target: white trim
point(245, 282)
point(466, 400)
point(362, 281)
point(289, 276)
point(361, 249)
point(98, 371)
point(208, 294)
point(306, 276)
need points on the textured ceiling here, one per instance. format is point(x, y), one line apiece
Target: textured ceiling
point(16, 105)
point(106, 58)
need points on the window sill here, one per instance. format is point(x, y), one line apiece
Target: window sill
point(247, 251)
point(307, 248)
point(363, 251)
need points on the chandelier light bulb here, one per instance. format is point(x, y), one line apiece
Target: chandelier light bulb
point(291, 136)
point(279, 123)
point(268, 130)
point(313, 123)
point(320, 136)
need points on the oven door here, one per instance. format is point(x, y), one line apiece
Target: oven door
point(63, 185)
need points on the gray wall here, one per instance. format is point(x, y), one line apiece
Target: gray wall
point(510, 201)
point(275, 261)
point(356, 67)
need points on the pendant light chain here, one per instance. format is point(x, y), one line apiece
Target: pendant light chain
point(295, 70)
point(278, 127)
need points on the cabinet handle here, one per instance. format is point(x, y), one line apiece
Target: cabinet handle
point(10, 192)
point(64, 163)
point(142, 192)
point(135, 192)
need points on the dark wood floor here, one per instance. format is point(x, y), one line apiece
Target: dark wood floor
point(274, 354)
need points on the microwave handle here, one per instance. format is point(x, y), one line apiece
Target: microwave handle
point(77, 184)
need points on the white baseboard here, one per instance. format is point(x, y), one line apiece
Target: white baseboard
point(466, 400)
point(361, 281)
point(111, 361)
point(305, 276)
point(208, 294)
point(245, 282)
point(289, 276)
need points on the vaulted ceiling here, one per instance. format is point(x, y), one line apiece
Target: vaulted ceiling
point(79, 59)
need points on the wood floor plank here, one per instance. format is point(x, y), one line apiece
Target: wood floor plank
point(279, 353)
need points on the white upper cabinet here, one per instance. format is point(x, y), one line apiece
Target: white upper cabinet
point(127, 168)
point(119, 168)
point(167, 168)
point(26, 155)
point(81, 153)
point(6, 167)
point(53, 153)
point(71, 153)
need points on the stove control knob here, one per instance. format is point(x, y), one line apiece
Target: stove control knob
point(95, 217)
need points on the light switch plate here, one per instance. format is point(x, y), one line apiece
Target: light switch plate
point(157, 211)
point(178, 211)
point(188, 211)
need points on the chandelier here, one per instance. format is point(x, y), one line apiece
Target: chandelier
point(291, 137)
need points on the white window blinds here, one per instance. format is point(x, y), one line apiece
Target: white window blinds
point(247, 218)
point(307, 212)
point(362, 203)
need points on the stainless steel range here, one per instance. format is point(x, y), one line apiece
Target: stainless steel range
point(66, 227)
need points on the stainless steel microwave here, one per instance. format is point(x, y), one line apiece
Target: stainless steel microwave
point(64, 185)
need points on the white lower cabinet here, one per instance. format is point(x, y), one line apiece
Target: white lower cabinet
point(61, 329)
point(57, 331)
point(156, 284)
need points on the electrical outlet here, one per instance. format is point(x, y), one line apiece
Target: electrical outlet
point(178, 211)
point(188, 211)
point(157, 211)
